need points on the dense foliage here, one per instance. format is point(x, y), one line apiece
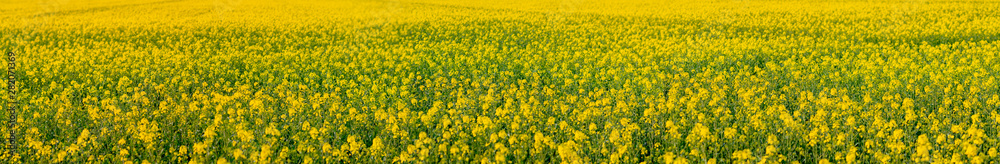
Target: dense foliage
point(447, 81)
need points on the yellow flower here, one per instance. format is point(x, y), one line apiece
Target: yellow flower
point(730, 133)
point(210, 132)
point(772, 139)
point(744, 154)
point(270, 130)
point(256, 104)
point(123, 152)
point(852, 155)
point(923, 149)
point(992, 152)
point(971, 150)
point(376, 144)
point(579, 136)
point(82, 139)
point(680, 160)
point(244, 135)
point(265, 152)
point(701, 133)
point(907, 103)
point(199, 148)
point(771, 150)
point(567, 152)
point(667, 157)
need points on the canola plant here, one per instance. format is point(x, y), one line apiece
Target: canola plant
point(551, 81)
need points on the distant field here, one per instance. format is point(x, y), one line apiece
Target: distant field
point(442, 81)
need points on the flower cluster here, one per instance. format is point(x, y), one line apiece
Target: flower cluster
point(445, 81)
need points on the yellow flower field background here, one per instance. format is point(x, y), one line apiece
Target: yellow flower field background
point(550, 81)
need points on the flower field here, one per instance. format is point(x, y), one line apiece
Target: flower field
point(520, 81)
